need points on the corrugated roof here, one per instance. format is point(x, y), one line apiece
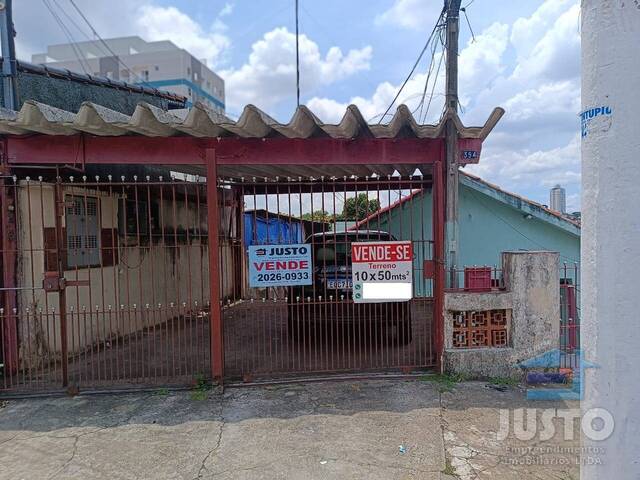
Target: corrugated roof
point(200, 121)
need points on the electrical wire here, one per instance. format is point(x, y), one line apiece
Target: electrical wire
point(421, 118)
point(473, 37)
point(297, 57)
point(81, 30)
point(67, 33)
point(415, 65)
point(106, 45)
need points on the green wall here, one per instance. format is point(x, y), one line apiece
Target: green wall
point(488, 226)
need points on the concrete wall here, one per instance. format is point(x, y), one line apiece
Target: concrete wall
point(68, 95)
point(532, 295)
point(149, 273)
point(487, 225)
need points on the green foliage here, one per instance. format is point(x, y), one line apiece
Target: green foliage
point(318, 216)
point(445, 382)
point(200, 389)
point(358, 208)
point(504, 381)
point(449, 469)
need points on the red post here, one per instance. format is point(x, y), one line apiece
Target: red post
point(213, 224)
point(439, 257)
point(8, 194)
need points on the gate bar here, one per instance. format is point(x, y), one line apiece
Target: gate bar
point(215, 312)
point(62, 295)
point(439, 261)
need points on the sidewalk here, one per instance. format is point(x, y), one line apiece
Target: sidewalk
point(380, 429)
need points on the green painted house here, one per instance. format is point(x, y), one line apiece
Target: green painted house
point(491, 221)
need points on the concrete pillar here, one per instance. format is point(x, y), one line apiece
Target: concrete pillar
point(611, 229)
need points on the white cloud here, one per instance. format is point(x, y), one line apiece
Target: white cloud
point(414, 14)
point(162, 23)
point(269, 75)
point(539, 168)
point(144, 18)
point(556, 54)
point(480, 62)
point(536, 144)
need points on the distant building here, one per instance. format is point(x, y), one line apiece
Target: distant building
point(161, 65)
point(558, 199)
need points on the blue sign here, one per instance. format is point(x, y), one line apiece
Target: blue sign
point(280, 265)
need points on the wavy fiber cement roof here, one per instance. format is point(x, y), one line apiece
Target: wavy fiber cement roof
point(199, 121)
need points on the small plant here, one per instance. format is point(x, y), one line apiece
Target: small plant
point(162, 392)
point(200, 389)
point(444, 381)
point(504, 381)
point(449, 469)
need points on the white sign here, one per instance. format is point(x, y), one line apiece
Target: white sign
point(382, 271)
point(280, 265)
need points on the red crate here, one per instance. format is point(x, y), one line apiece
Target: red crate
point(477, 279)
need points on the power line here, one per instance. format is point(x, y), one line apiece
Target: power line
point(464, 10)
point(106, 45)
point(415, 65)
point(422, 119)
point(67, 33)
point(297, 58)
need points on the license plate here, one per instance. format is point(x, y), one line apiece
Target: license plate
point(339, 284)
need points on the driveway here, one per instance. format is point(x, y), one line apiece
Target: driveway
point(386, 429)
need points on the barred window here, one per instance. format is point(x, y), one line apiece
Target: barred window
point(82, 231)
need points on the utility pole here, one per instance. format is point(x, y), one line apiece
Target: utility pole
point(297, 58)
point(8, 55)
point(451, 132)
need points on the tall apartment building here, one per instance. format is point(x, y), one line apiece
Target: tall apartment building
point(162, 65)
point(558, 199)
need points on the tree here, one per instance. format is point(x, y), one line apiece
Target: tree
point(358, 208)
point(317, 216)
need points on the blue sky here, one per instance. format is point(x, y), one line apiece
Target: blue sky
point(525, 58)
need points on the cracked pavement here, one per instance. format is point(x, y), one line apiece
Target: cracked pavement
point(325, 430)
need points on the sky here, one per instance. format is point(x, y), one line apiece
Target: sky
point(521, 55)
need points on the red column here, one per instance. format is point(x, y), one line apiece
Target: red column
point(8, 322)
point(213, 223)
point(439, 260)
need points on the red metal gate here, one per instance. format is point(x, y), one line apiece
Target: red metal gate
point(277, 331)
point(111, 282)
point(108, 281)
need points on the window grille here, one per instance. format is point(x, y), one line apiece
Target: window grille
point(82, 231)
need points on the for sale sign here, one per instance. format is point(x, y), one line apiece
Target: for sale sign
point(279, 265)
point(382, 271)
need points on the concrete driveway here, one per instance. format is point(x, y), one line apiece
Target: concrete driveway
point(382, 429)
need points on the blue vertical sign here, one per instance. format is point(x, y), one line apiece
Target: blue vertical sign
point(280, 265)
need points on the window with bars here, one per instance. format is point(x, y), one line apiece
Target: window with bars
point(82, 231)
point(481, 329)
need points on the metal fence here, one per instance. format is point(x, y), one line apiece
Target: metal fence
point(110, 283)
point(569, 313)
point(318, 327)
point(107, 281)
